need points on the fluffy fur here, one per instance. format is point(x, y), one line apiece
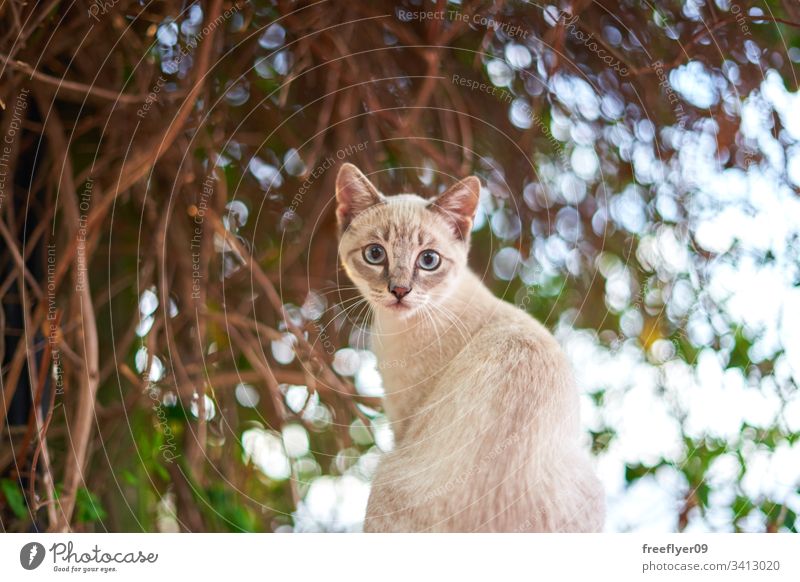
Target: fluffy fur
point(480, 395)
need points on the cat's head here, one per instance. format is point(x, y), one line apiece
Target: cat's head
point(403, 251)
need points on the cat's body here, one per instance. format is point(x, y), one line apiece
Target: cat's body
point(480, 396)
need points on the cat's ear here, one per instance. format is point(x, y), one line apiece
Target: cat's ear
point(354, 194)
point(458, 204)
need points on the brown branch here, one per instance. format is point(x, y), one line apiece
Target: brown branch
point(42, 429)
point(81, 428)
point(693, 41)
point(260, 363)
point(230, 317)
point(425, 92)
point(81, 90)
point(329, 381)
point(147, 157)
point(15, 254)
point(756, 19)
point(39, 386)
point(465, 127)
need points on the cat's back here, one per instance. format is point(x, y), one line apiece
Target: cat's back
point(510, 338)
point(509, 324)
point(511, 370)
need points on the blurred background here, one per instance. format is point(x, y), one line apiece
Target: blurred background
point(177, 351)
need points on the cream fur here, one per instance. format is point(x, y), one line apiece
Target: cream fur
point(483, 406)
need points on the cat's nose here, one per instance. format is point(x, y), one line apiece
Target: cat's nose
point(398, 291)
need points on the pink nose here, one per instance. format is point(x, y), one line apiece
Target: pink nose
point(399, 292)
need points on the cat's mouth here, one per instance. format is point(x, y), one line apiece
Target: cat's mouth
point(397, 305)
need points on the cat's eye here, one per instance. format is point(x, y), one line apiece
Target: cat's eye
point(374, 254)
point(429, 260)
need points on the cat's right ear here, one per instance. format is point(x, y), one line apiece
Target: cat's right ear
point(459, 204)
point(354, 194)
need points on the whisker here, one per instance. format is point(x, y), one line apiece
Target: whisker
point(454, 320)
point(429, 314)
point(341, 313)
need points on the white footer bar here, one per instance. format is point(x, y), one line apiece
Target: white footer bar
point(406, 558)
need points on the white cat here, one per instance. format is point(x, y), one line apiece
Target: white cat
point(484, 408)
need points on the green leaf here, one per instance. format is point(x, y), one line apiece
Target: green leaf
point(87, 507)
point(634, 472)
point(741, 507)
point(740, 355)
point(601, 440)
point(229, 512)
point(14, 498)
point(129, 477)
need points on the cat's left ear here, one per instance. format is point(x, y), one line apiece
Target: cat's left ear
point(354, 194)
point(458, 204)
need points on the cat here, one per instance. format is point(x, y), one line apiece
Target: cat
point(484, 409)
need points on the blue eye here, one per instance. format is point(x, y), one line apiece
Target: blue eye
point(429, 260)
point(374, 254)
